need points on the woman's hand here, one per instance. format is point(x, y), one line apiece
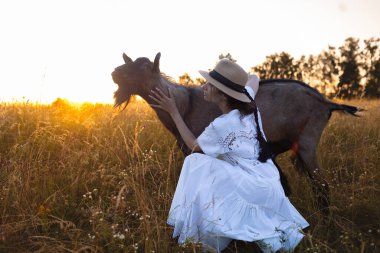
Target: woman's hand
point(167, 103)
point(164, 102)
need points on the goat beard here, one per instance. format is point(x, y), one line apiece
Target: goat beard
point(122, 97)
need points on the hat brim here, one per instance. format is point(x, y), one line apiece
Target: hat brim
point(236, 95)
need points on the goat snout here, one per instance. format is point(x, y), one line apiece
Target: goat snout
point(115, 76)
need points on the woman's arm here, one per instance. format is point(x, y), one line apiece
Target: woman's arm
point(168, 104)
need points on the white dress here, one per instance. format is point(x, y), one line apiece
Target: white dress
point(226, 193)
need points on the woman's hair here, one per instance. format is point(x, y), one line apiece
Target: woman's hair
point(265, 152)
point(247, 109)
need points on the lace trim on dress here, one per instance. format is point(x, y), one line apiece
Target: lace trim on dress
point(229, 142)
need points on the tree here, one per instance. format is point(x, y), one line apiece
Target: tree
point(226, 56)
point(322, 71)
point(200, 81)
point(299, 66)
point(307, 67)
point(185, 79)
point(371, 66)
point(278, 66)
point(349, 81)
point(329, 68)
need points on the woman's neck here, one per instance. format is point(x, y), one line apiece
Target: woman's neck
point(224, 107)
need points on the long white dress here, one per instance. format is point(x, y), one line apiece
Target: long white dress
point(226, 193)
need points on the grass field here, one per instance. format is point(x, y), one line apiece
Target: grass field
point(89, 178)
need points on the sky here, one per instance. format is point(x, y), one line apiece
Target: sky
point(68, 49)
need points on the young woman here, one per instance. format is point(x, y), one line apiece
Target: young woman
point(233, 189)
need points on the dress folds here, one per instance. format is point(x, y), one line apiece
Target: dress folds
point(226, 193)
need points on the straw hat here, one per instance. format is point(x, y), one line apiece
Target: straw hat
point(230, 78)
point(253, 83)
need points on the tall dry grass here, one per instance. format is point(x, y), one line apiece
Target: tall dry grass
point(91, 179)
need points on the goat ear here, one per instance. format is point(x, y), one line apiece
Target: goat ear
point(156, 64)
point(126, 58)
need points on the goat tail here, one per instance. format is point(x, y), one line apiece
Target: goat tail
point(353, 110)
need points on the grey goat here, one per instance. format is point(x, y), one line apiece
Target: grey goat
point(293, 114)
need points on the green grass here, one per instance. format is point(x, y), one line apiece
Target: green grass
point(92, 179)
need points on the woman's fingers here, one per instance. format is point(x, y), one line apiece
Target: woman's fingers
point(156, 106)
point(160, 99)
point(162, 94)
point(155, 99)
point(164, 102)
point(157, 95)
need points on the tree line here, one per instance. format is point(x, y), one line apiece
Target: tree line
point(349, 71)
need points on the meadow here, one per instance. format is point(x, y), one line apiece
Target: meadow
point(91, 178)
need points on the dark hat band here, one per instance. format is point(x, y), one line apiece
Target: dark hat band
point(227, 82)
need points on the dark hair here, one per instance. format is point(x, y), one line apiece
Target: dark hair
point(247, 109)
point(265, 152)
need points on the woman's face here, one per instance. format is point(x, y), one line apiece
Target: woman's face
point(211, 93)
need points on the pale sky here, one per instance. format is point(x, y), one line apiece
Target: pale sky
point(69, 48)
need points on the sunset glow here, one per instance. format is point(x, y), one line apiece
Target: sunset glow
point(68, 49)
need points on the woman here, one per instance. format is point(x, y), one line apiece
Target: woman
point(233, 189)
